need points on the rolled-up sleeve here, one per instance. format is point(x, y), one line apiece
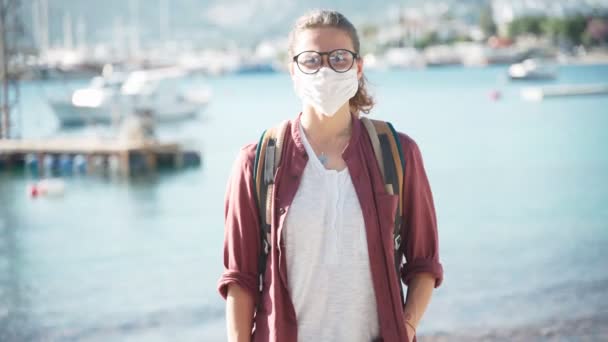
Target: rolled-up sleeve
point(241, 235)
point(419, 229)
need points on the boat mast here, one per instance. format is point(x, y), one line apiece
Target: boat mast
point(163, 15)
point(9, 24)
point(44, 15)
point(67, 31)
point(134, 29)
point(5, 127)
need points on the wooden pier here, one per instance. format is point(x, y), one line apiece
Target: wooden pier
point(132, 157)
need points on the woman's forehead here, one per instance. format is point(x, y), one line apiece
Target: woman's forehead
point(322, 39)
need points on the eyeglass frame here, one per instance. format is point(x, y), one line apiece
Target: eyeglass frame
point(354, 54)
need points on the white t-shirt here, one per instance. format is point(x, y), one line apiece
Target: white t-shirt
point(328, 269)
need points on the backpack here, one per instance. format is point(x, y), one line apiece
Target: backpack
point(389, 156)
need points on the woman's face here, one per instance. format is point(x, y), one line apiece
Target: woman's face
point(324, 39)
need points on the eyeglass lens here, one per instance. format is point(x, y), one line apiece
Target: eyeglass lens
point(339, 60)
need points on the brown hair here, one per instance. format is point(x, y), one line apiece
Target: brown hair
point(362, 101)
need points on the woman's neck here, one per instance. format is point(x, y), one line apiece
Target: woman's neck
point(326, 128)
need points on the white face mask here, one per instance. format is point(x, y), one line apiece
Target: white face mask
point(326, 90)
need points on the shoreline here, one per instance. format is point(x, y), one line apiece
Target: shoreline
point(593, 327)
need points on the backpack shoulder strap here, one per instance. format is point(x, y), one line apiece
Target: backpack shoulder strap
point(389, 156)
point(267, 159)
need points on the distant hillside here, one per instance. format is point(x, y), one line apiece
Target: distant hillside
point(204, 22)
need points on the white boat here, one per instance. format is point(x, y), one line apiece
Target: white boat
point(532, 69)
point(110, 99)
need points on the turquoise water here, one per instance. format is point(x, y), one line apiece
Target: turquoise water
point(521, 191)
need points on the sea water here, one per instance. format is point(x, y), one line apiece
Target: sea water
point(521, 192)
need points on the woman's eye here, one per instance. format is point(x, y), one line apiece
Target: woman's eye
point(311, 60)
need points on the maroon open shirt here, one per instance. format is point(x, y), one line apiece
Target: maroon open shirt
point(276, 319)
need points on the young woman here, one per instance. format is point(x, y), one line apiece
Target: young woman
point(330, 273)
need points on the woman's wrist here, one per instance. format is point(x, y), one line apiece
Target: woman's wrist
point(409, 321)
point(411, 325)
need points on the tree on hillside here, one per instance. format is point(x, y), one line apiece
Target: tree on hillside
point(574, 29)
point(569, 31)
point(526, 25)
point(486, 21)
point(597, 31)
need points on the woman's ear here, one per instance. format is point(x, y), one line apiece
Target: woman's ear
point(290, 67)
point(359, 67)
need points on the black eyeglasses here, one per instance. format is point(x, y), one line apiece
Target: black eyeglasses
point(340, 60)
